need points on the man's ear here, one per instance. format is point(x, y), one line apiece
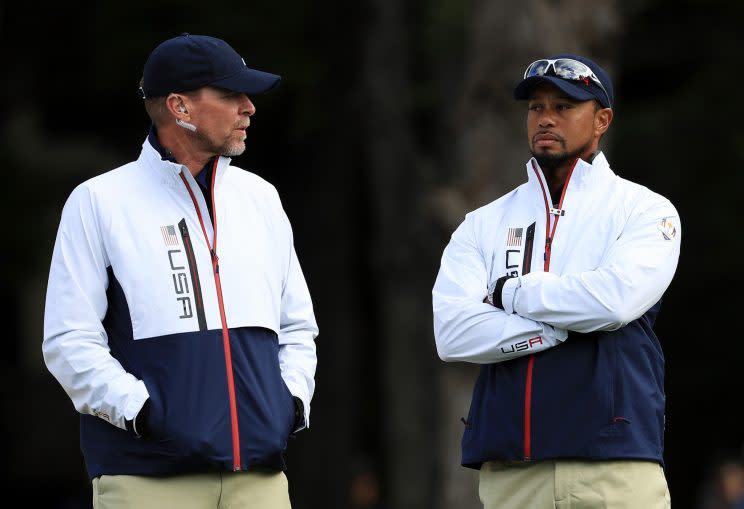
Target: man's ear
point(602, 120)
point(175, 104)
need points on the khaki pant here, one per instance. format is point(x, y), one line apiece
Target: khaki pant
point(568, 484)
point(220, 490)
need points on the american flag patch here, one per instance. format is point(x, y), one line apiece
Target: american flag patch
point(515, 237)
point(169, 235)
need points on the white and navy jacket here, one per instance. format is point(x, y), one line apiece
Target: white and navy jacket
point(212, 321)
point(571, 368)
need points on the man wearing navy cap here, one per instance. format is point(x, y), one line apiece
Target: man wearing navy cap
point(177, 316)
point(553, 289)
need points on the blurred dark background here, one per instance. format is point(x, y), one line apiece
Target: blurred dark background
point(393, 119)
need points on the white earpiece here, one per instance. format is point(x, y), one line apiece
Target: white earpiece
point(186, 125)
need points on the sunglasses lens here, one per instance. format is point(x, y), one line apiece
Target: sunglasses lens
point(571, 69)
point(537, 68)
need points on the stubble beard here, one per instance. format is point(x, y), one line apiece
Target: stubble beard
point(232, 149)
point(548, 161)
point(229, 148)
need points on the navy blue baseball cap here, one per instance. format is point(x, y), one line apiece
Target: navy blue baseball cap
point(188, 62)
point(577, 76)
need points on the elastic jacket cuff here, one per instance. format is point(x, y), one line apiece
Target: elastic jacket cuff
point(495, 296)
point(299, 422)
point(508, 293)
point(138, 426)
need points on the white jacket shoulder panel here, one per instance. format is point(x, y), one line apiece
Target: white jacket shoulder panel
point(598, 262)
point(614, 255)
point(466, 328)
point(289, 301)
point(75, 345)
point(161, 256)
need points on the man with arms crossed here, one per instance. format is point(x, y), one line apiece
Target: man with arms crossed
point(553, 289)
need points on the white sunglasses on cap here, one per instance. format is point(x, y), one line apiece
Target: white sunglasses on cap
point(567, 69)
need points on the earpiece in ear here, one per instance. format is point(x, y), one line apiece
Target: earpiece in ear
point(182, 108)
point(186, 125)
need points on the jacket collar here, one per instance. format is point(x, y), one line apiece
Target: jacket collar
point(583, 174)
point(168, 167)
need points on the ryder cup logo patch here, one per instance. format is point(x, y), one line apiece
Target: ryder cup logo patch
point(667, 228)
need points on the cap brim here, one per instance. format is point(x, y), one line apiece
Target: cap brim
point(249, 81)
point(578, 92)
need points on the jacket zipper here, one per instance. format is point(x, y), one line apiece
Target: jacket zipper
point(194, 272)
point(549, 236)
point(526, 267)
point(528, 245)
point(225, 334)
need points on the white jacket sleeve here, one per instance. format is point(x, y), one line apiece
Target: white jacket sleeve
point(466, 328)
point(75, 344)
point(298, 330)
point(632, 277)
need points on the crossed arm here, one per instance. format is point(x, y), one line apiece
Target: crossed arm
point(636, 270)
